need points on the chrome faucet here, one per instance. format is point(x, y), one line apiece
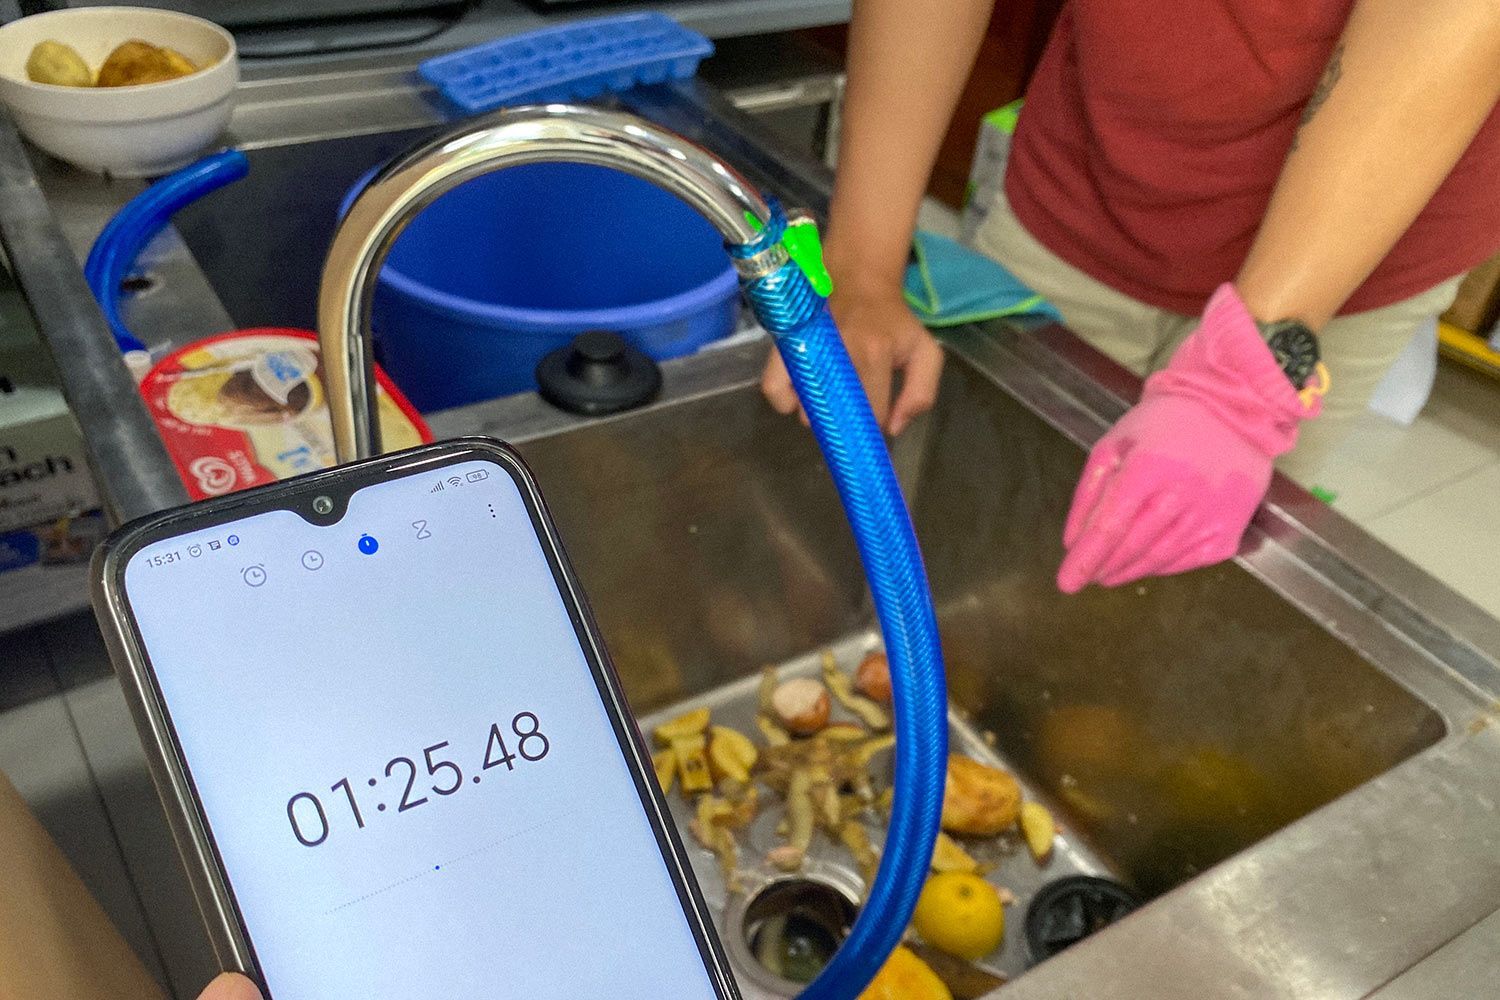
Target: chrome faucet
point(536, 134)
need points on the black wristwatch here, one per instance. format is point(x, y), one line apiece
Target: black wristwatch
point(1295, 348)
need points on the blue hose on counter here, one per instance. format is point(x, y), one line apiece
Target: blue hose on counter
point(121, 241)
point(854, 448)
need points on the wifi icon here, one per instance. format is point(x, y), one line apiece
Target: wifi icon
point(455, 481)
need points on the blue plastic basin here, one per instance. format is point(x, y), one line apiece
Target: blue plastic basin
point(511, 265)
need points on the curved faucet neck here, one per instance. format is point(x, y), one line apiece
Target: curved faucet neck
point(536, 134)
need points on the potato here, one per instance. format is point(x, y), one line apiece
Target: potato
point(136, 62)
point(181, 64)
point(978, 800)
point(873, 678)
point(801, 705)
point(58, 64)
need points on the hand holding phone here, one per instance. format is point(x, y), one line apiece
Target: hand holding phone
point(396, 758)
point(230, 986)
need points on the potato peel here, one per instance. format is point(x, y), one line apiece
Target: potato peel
point(685, 725)
point(692, 764)
point(842, 687)
point(664, 763)
point(948, 856)
point(1038, 828)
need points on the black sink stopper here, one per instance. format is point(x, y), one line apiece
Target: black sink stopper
point(1068, 910)
point(598, 373)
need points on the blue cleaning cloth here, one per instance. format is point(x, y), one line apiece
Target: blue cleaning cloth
point(948, 284)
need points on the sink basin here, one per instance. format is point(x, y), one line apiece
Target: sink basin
point(1175, 722)
point(1171, 724)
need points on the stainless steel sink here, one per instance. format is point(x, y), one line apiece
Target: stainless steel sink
point(1171, 724)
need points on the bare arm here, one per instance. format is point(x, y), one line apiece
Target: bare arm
point(908, 61)
point(1405, 92)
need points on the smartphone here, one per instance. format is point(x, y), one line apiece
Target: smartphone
point(394, 753)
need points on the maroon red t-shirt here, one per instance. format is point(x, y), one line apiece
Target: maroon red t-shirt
point(1154, 132)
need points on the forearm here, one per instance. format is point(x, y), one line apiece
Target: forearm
point(907, 64)
point(1407, 89)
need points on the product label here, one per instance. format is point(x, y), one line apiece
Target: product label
point(247, 408)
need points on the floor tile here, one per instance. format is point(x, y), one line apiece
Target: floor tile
point(1467, 403)
point(76, 650)
point(1383, 465)
point(25, 673)
point(1454, 534)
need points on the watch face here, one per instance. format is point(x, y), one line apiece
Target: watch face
point(1296, 351)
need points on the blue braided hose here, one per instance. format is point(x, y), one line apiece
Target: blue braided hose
point(855, 451)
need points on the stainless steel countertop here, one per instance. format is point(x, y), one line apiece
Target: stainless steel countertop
point(296, 45)
point(1391, 892)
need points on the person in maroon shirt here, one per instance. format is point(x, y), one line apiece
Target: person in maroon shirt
point(1253, 201)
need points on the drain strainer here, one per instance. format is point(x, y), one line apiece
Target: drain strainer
point(1070, 909)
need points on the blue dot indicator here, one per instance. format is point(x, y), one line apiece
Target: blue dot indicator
point(368, 545)
point(437, 868)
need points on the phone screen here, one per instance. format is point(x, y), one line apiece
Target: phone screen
point(403, 757)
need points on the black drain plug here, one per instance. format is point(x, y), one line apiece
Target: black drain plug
point(1070, 909)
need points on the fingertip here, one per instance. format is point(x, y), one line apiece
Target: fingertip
point(776, 386)
point(231, 986)
point(919, 388)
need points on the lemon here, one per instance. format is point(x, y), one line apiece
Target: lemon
point(904, 976)
point(960, 914)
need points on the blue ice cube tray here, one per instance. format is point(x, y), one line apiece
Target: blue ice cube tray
point(574, 61)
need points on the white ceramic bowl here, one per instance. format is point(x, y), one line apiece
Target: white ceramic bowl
point(140, 131)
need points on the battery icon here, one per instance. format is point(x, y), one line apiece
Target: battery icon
point(477, 475)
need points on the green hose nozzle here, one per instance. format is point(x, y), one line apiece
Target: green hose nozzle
point(803, 244)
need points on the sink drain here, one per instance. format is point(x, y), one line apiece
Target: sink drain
point(790, 929)
point(1070, 909)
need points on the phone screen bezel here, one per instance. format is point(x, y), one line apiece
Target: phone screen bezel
point(211, 881)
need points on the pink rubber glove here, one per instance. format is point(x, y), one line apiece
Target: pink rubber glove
point(1173, 485)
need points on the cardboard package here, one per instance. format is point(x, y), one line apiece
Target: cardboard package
point(49, 509)
point(987, 172)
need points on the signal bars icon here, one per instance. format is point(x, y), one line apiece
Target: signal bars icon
point(439, 486)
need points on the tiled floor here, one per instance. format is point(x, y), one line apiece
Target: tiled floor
point(1431, 491)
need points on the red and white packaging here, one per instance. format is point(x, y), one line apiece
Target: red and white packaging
point(245, 408)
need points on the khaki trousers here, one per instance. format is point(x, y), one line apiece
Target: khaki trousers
point(1358, 349)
